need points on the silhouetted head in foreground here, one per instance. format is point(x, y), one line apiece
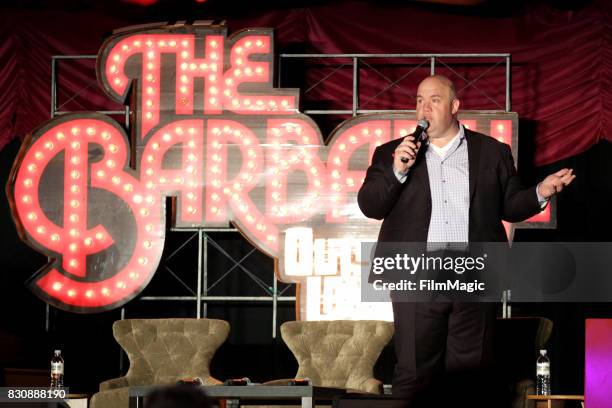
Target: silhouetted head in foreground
point(177, 396)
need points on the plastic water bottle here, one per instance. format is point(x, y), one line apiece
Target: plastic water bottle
point(543, 374)
point(57, 370)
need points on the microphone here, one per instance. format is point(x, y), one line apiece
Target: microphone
point(422, 126)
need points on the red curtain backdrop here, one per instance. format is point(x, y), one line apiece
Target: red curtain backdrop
point(561, 61)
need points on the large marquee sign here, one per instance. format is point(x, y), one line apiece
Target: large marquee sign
point(211, 131)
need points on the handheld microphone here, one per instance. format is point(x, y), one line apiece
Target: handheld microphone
point(419, 135)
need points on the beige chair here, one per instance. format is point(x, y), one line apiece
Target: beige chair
point(340, 353)
point(162, 351)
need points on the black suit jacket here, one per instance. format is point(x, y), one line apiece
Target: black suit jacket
point(496, 193)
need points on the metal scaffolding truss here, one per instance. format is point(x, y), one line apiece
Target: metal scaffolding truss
point(200, 294)
point(359, 62)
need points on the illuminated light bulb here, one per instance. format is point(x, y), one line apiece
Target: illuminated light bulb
point(137, 198)
point(150, 158)
point(89, 293)
point(150, 199)
point(317, 183)
point(88, 241)
point(183, 89)
point(259, 43)
point(150, 185)
point(149, 227)
point(214, 56)
point(191, 144)
point(113, 148)
point(120, 285)
point(184, 43)
point(353, 139)
point(314, 171)
point(191, 210)
point(227, 92)
point(203, 66)
point(248, 44)
point(27, 182)
point(184, 65)
point(251, 164)
point(116, 58)
point(342, 146)
point(162, 43)
point(500, 128)
point(49, 145)
point(74, 203)
point(117, 81)
point(125, 47)
point(151, 54)
point(247, 102)
point(105, 291)
point(38, 155)
point(133, 275)
point(335, 174)
point(142, 260)
point(213, 43)
point(75, 145)
point(137, 43)
point(178, 130)
point(248, 71)
point(75, 160)
point(271, 238)
point(336, 186)
point(60, 136)
point(149, 103)
point(216, 183)
point(172, 43)
point(215, 197)
point(41, 229)
point(192, 66)
point(229, 81)
point(276, 196)
point(402, 132)
point(237, 186)
point(162, 180)
point(32, 168)
point(149, 115)
point(56, 286)
point(215, 210)
point(144, 212)
point(72, 292)
point(377, 144)
point(74, 218)
point(101, 173)
point(350, 181)
point(115, 179)
point(259, 102)
point(74, 189)
point(501, 139)
point(90, 131)
point(259, 70)
point(150, 77)
point(73, 263)
point(235, 102)
point(179, 180)
point(128, 187)
point(73, 247)
point(238, 61)
point(213, 101)
point(184, 78)
point(250, 218)
point(55, 237)
point(213, 90)
point(237, 72)
point(190, 196)
point(26, 199)
point(149, 43)
point(214, 169)
point(149, 171)
point(150, 90)
point(155, 146)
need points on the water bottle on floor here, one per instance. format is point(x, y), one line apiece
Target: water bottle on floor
point(543, 374)
point(57, 370)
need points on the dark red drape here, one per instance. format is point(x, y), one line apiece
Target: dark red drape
point(561, 61)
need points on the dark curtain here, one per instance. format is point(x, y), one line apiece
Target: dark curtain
point(561, 61)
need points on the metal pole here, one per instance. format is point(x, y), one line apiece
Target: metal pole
point(53, 88)
point(274, 304)
point(355, 85)
point(199, 290)
point(508, 88)
point(432, 66)
point(205, 275)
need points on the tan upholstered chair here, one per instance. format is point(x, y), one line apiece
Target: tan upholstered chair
point(162, 351)
point(340, 353)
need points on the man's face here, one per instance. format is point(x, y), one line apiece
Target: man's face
point(434, 104)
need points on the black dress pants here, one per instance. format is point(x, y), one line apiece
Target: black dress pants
point(445, 354)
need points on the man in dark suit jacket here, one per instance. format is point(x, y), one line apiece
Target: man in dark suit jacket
point(459, 190)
